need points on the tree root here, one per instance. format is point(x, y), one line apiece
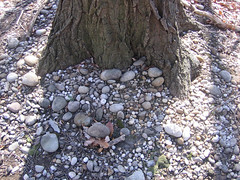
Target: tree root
point(214, 20)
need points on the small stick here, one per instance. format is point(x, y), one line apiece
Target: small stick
point(19, 17)
point(117, 140)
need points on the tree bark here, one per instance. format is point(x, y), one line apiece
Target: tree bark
point(114, 31)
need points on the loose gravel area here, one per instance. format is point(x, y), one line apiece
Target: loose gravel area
point(88, 123)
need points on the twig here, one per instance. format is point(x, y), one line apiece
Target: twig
point(19, 17)
point(117, 140)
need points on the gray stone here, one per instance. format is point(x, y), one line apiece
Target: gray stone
point(25, 149)
point(14, 107)
point(186, 133)
point(98, 130)
point(67, 116)
point(90, 165)
point(120, 115)
point(31, 60)
point(116, 107)
point(158, 81)
point(83, 89)
point(40, 32)
point(12, 42)
point(121, 169)
point(237, 167)
point(140, 62)
point(150, 163)
point(30, 120)
point(214, 90)
point(60, 86)
point(11, 77)
point(73, 161)
point(73, 106)
point(99, 114)
point(154, 72)
point(146, 105)
point(110, 74)
point(43, 102)
point(13, 146)
point(58, 104)
point(127, 76)
point(30, 79)
point(83, 71)
point(54, 125)
point(173, 130)
point(81, 119)
point(125, 131)
point(49, 142)
point(236, 150)
point(51, 88)
point(39, 168)
point(72, 174)
point(225, 75)
point(105, 89)
point(137, 175)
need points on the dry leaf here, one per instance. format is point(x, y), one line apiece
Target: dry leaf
point(89, 142)
point(101, 143)
point(110, 126)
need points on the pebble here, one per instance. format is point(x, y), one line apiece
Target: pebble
point(116, 107)
point(31, 60)
point(186, 133)
point(214, 90)
point(125, 131)
point(30, 79)
point(237, 167)
point(127, 76)
point(154, 72)
point(83, 71)
point(225, 75)
point(105, 89)
point(85, 159)
point(39, 168)
point(67, 116)
point(25, 149)
point(58, 104)
point(137, 175)
point(121, 169)
point(14, 107)
point(11, 77)
point(140, 62)
point(12, 42)
point(99, 114)
point(180, 141)
point(111, 74)
point(98, 130)
point(72, 174)
point(158, 81)
point(173, 130)
point(73, 106)
point(146, 105)
point(90, 165)
point(81, 119)
point(13, 146)
point(30, 120)
point(120, 115)
point(40, 32)
point(74, 161)
point(49, 142)
point(83, 89)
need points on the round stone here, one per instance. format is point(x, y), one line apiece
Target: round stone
point(30, 79)
point(39, 168)
point(154, 72)
point(173, 130)
point(58, 104)
point(125, 131)
point(110, 74)
point(83, 71)
point(43, 102)
point(31, 60)
point(99, 114)
point(40, 32)
point(90, 165)
point(12, 42)
point(11, 77)
point(67, 116)
point(72, 174)
point(225, 75)
point(81, 119)
point(137, 175)
point(105, 89)
point(116, 107)
point(127, 76)
point(158, 81)
point(98, 130)
point(30, 120)
point(214, 90)
point(13, 146)
point(14, 107)
point(49, 142)
point(180, 141)
point(186, 133)
point(74, 161)
point(146, 105)
point(83, 89)
point(73, 106)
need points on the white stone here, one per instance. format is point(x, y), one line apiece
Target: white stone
point(186, 133)
point(85, 160)
point(116, 107)
point(13, 146)
point(146, 105)
point(127, 76)
point(54, 125)
point(72, 174)
point(40, 32)
point(173, 130)
point(154, 72)
point(12, 42)
point(39, 168)
point(11, 77)
point(31, 60)
point(30, 79)
point(74, 161)
point(83, 89)
point(110, 74)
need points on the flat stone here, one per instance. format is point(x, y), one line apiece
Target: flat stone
point(90, 165)
point(39, 168)
point(11, 77)
point(83, 89)
point(158, 81)
point(105, 89)
point(12, 42)
point(30, 120)
point(186, 133)
point(127, 76)
point(154, 72)
point(120, 115)
point(40, 32)
point(30, 79)
point(111, 74)
point(225, 75)
point(14, 107)
point(43, 102)
point(58, 104)
point(67, 116)
point(99, 114)
point(146, 105)
point(214, 90)
point(137, 175)
point(121, 169)
point(125, 131)
point(140, 62)
point(173, 130)
point(49, 142)
point(31, 60)
point(73, 106)
point(81, 119)
point(116, 107)
point(98, 130)
point(72, 174)
point(13, 146)
point(83, 71)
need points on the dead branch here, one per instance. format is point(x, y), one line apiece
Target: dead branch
point(117, 140)
point(214, 19)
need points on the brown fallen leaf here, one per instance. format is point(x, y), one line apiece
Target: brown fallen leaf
point(110, 126)
point(89, 142)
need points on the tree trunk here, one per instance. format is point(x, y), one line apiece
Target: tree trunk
point(115, 31)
